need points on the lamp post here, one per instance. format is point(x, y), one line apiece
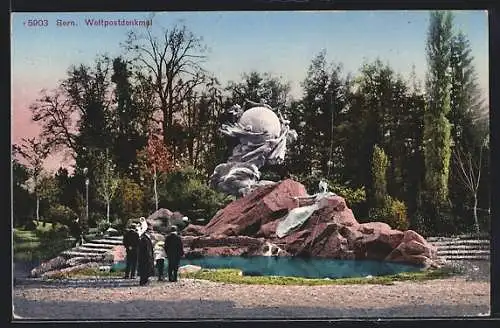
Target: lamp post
point(87, 199)
point(87, 182)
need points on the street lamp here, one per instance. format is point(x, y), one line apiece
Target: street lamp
point(87, 198)
point(87, 182)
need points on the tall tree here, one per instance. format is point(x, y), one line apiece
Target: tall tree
point(63, 185)
point(106, 180)
point(316, 117)
point(34, 153)
point(154, 160)
point(54, 113)
point(468, 168)
point(466, 103)
point(380, 163)
point(437, 129)
point(131, 121)
point(174, 62)
point(208, 133)
point(21, 198)
point(468, 117)
point(88, 91)
point(257, 87)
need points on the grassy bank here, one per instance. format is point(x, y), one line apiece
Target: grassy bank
point(234, 276)
point(39, 244)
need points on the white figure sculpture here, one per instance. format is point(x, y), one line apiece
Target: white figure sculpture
point(263, 136)
point(298, 216)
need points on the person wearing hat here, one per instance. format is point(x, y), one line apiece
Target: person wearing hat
point(131, 243)
point(174, 250)
point(146, 260)
point(77, 232)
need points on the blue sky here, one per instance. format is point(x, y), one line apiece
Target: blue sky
point(282, 43)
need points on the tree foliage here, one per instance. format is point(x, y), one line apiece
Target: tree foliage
point(174, 61)
point(106, 180)
point(146, 125)
point(380, 163)
point(437, 129)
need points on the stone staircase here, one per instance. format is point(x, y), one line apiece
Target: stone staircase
point(95, 248)
point(461, 248)
point(98, 250)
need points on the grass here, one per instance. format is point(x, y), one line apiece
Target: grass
point(40, 244)
point(234, 276)
point(87, 273)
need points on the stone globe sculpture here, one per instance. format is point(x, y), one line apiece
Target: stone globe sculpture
point(262, 136)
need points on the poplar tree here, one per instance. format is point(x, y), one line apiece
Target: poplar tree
point(437, 129)
point(380, 163)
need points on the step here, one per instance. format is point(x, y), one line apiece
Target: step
point(114, 237)
point(461, 242)
point(71, 253)
point(464, 248)
point(463, 253)
point(91, 250)
point(463, 237)
point(95, 245)
point(466, 258)
point(107, 242)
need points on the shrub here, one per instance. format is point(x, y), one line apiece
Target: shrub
point(352, 196)
point(30, 225)
point(118, 223)
point(128, 202)
point(103, 225)
point(186, 191)
point(392, 212)
point(94, 219)
point(61, 214)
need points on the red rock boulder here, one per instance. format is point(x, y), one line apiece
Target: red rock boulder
point(246, 215)
point(247, 224)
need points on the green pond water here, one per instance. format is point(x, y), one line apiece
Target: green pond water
point(295, 266)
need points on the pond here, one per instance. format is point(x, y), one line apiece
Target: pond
point(296, 267)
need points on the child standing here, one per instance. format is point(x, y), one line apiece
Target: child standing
point(159, 253)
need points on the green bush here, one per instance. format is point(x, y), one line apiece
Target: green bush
point(392, 212)
point(61, 214)
point(118, 223)
point(103, 225)
point(353, 197)
point(186, 191)
point(128, 203)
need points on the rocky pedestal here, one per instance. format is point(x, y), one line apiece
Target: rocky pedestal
point(247, 226)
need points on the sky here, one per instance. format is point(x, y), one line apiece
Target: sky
point(282, 43)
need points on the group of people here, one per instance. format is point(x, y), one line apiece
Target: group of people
point(142, 256)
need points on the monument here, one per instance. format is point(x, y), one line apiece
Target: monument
point(263, 135)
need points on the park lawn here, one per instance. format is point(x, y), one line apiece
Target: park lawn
point(40, 244)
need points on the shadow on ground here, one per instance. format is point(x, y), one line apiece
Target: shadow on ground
point(201, 309)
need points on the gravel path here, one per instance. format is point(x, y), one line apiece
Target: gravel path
point(191, 299)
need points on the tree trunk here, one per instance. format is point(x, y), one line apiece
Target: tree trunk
point(37, 209)
point(476, 221)
point(107, 210)
point(156, 191)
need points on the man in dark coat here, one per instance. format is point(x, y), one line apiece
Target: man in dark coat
point(146, 260)
point(131, 243)
point(174, 250)
point(77, 232)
